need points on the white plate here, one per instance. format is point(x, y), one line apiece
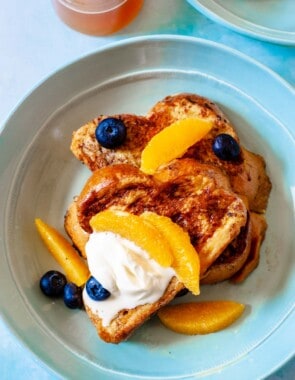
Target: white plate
point(39, 177)
point(269, 20)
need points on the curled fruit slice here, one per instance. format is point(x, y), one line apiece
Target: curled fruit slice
point(186, 261)
point(172, 142)
point(136, 229)
point(75, 268)
point(200, 317)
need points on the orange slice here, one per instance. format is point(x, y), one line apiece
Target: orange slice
point(136, 229)
point(200, 317)
point(75, 267)
point(186, 261)
point(172, 142)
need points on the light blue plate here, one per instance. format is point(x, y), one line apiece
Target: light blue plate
point(39, 176)
point(268, 20)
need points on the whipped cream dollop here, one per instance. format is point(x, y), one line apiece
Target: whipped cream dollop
point(126, 271)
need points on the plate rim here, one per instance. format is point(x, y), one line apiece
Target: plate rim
point(130, 40)
point(243, 26)
point(114, 45)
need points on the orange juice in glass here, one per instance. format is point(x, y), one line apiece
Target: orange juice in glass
point(97, 17)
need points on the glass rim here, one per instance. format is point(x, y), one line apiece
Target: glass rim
point(80, 6)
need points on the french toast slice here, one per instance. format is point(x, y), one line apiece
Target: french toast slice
point(241, 256)
point(193, 198)
point(247, 175)
point(196, 196)
point(236, 262)
point(239, 251)
point(128, 320)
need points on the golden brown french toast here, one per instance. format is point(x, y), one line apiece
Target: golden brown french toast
point(212, 215)
point(227, 263)
point(247, 175)
point(196, 196)
point(216, 201)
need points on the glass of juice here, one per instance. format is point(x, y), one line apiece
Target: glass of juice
point(97, 17)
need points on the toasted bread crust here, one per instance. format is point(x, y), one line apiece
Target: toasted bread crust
point(247, 175)
point(126, 321)
point(232, 258)
point(86, 148)
point(259, 227)
point(74, 230)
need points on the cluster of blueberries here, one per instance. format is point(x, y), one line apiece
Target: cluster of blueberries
point(111, 133)
point(54, 284)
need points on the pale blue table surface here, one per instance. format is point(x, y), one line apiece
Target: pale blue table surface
point(34, 44)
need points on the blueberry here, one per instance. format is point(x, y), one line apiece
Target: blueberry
point(73, 296)
point(52, 283)
point(226, 148)
point(95, 290)
point(111, 133)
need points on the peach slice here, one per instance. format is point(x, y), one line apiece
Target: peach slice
point(75, 267)
point(172, 142)
point(136, 229)
point(206, 317)
point(186, 261)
